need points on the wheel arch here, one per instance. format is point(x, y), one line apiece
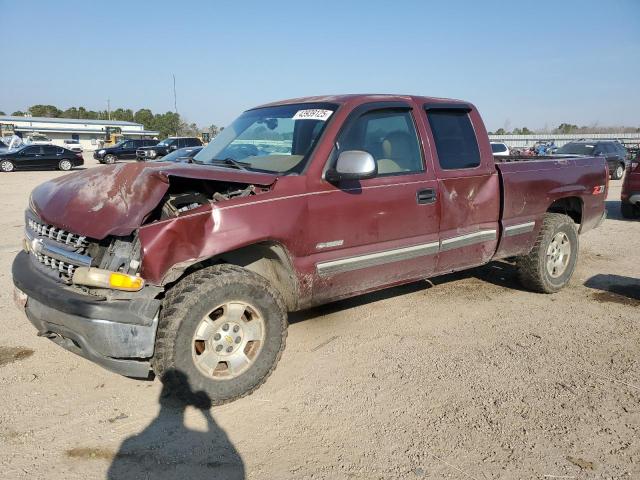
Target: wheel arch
point(269, 259)
point(572, 206)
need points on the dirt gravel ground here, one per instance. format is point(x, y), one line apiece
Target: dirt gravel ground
point(466, 376)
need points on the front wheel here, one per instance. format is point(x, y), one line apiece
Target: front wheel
point(109, 159)
point(618, 172)
point(7, 166)
point(222, 331)
point(550, 264)
point(65, 165)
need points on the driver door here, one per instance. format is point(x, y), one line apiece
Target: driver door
point(33, 157)
point(380, 231)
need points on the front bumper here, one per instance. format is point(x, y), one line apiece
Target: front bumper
point(118, 335)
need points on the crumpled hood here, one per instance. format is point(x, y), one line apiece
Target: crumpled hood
point(116, 199)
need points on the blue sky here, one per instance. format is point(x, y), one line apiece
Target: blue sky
point(531, 64)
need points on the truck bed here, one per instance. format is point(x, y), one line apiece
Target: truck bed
point(530, 185)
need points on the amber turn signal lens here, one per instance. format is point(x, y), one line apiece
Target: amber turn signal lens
point(121, 281)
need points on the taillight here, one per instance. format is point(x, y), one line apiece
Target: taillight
point(78, 154)
point(634, 166)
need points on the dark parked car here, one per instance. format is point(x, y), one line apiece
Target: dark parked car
point(613, 150)
point(182, 155)
point(33, 157)
point(630, 195)
point(123, 150)
point(166, 146)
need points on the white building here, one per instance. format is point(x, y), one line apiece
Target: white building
point(88, 132)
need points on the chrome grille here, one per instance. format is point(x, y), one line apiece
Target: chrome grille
point(58, 251)
point(64, 268)
point(57, 234)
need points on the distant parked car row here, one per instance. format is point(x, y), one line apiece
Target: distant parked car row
point(615, 153)
point(144, 149)
point(33, 157)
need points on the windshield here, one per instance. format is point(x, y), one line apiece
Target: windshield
point(166, 142)
point(272, 139)
point(576, 149)
point(182, 153)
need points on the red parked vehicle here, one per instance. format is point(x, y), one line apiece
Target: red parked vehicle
point(189, 270)
point(630, 196)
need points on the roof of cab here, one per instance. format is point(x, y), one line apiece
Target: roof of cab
point(361, 98)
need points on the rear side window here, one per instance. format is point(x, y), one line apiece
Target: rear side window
point(455, 139)
point(51, 150)
point(498, 147)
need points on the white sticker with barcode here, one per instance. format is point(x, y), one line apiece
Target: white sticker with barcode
point(313, 114)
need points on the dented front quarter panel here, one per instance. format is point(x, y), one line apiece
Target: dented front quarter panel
point(116, 199)
point(170, 246)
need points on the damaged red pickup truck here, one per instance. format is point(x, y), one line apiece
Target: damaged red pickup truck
point(192, 268)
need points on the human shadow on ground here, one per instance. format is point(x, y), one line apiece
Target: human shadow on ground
point(167, 449)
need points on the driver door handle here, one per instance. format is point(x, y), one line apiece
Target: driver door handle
point(425, 196)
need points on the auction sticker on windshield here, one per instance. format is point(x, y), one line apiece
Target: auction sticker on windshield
point(313, 114)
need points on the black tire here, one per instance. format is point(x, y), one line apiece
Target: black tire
point(629, 211)
point(7, 166)
point(533, 270)
point(618, 172)
point(110, 159)
point(184, 307)
point(65, 165)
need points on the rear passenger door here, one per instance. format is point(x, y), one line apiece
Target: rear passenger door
point(379, 231)
point(468, 187)
point(51, 156)
point(128, 150)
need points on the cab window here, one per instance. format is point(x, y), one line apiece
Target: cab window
point(455, 139)
point(390, 136)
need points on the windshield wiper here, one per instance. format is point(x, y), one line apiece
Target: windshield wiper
point(232, 163)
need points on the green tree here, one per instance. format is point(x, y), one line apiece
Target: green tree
point(18, 113)
point(44, 111)
point(566, 128)
point(122, 114)
point(500, 131)
point(167, 123)
point(2, 113)
point(145, 117)
point(526, 131)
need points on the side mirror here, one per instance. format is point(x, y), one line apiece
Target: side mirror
point(353, 165)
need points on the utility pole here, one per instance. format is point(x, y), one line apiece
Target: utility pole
point(108, 108)
point(175, 101)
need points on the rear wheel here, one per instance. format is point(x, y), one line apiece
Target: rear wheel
point(552, 260)
point(110, 159)
point(618, 172)
point(65, 165)
point(7, 166)
point(222, 331)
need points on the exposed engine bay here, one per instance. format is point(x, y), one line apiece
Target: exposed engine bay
point(183, 196)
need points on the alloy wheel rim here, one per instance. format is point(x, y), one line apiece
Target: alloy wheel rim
point(558, 254)
point(619, 171)
point(228, 340)
point(65, 165)
point(7, 166)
